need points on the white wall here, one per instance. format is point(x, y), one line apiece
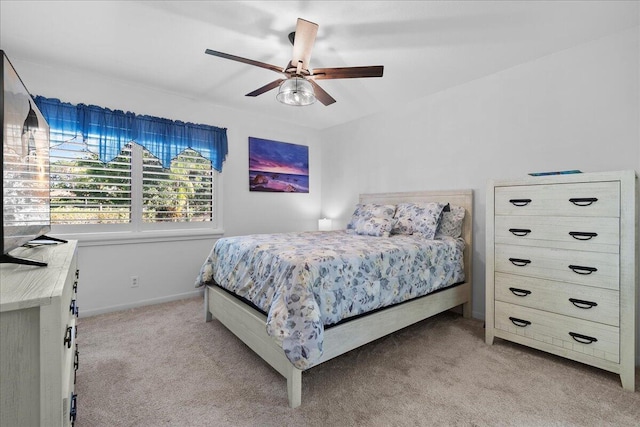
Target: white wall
point(167, 269)
point(575, 109)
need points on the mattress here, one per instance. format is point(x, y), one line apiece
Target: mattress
point(307, 281)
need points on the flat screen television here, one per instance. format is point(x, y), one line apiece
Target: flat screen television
point(25, 165)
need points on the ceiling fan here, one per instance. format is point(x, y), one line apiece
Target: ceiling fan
point(298, 86)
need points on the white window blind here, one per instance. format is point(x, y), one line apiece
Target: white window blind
point(183, 193)
point(134, 188)
point(87, 191)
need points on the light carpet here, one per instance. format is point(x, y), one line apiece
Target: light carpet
point(163, 365)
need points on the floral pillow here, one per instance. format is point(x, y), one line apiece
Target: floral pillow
point(414, 218)
point(451, 222)
point(357, 213)
point(372, 220)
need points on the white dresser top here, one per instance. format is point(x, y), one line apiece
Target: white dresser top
point(25, 286)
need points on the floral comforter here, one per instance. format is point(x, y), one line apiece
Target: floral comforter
point(306, 281)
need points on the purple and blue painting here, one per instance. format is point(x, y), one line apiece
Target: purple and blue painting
point(278, 166)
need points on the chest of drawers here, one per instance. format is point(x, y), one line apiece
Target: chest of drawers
point(562, 267)
point(39, 354)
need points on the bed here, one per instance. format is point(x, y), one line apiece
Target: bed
point(291, 325)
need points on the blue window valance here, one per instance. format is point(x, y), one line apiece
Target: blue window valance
point(107, 131)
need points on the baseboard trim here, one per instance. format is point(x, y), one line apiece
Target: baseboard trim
point(153, 301)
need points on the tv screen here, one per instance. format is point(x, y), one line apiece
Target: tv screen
point(25, 163)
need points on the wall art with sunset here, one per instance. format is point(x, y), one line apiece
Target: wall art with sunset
point(278, 166)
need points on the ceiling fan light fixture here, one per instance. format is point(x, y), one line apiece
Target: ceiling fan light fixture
point(296, 91)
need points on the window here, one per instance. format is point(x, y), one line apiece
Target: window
point(86, 191)
point(183, 193)
point(115, 171)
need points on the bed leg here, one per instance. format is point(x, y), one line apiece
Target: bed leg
point(294, 387)
point(208, 317)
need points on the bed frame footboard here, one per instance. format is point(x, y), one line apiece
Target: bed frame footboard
point(249, 325)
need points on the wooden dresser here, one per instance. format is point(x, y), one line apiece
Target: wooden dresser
point(562, 267)
point(38, 350)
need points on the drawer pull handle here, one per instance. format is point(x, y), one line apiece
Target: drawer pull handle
point(76, 364)
point(519, 262)
point(73, 308)
point(583, 339)
point(578, 269)
point(519, 292)
point(519, 231)
point(579, 235)
point(583, 201)
point(519, 322)
point(582, 303)
point(67, 337)
point(520, 202)
point(73, 409)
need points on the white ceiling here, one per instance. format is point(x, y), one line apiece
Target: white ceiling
point(425, 46)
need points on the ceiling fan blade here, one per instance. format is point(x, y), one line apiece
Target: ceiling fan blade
point(303, 42)
point(266, 88)
point(244, 60)
point(347, 72)
point(320, 93)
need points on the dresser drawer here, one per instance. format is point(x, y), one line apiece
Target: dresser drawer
point(69, 359)
point(583, 302)
point(69, 295)
point(594, 339)
point(576, 199)
point(600, 234)
point(584, 268)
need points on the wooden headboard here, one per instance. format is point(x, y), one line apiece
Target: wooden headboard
point(462, 198)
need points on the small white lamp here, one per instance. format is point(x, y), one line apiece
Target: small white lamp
point(324, 224)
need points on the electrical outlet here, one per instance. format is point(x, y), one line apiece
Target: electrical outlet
point(134, 281)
